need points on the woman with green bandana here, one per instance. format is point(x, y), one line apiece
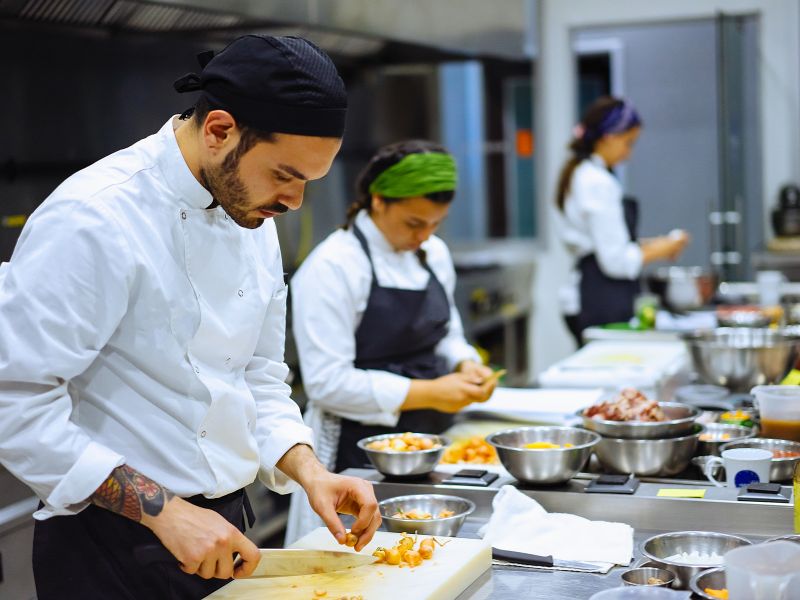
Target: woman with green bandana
point(380, 342)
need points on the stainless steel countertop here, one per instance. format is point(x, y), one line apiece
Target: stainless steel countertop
point(645, 511)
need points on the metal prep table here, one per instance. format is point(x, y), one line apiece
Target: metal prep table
point(648, 514)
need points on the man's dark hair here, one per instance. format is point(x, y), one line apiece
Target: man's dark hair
point(249, 135)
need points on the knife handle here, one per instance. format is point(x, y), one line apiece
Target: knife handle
point(522, 557)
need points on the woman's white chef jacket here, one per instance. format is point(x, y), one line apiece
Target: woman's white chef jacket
point(593, 222)
point(139, 327)
point(329, 296)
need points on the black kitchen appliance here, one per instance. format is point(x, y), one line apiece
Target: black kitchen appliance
point(786, 217)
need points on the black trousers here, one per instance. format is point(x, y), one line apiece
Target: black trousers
point(90, 556)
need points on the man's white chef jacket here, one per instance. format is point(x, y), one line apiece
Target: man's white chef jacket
point(139, 327)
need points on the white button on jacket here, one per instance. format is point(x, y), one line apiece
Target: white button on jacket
point(122, 336)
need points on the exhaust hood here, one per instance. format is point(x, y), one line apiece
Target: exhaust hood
point(501, 28)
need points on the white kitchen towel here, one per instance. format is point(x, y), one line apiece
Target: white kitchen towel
point(520, 523)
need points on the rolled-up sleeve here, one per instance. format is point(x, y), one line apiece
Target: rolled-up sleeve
point(617, 255)
point(279, 425)
point(62, 297)
point(324, 321)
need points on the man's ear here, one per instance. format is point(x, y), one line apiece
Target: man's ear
point(219, 131)
point(377, 203)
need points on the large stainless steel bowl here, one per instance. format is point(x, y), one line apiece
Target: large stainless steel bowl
point(543, 466)
point(710, 578)
point(716, 433)
point(781, 469)
point(649, 458)
point(404, 464)
point(430, 503)
point(659, 547)
point(742, 357)
point(680, 419)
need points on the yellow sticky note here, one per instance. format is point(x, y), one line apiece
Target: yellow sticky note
point(681, 493)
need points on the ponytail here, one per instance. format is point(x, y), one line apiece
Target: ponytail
point(605, 115)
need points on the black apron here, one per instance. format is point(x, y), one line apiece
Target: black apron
point(398, 333)
point(605, 299)
point(100, 555)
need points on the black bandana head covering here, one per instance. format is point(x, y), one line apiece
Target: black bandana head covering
point(274, 84)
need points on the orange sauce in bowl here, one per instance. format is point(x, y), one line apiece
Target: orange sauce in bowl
point(783, 430)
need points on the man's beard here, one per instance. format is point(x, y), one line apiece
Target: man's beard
point(229, 192)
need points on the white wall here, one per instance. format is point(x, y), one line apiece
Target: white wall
point(555, 114)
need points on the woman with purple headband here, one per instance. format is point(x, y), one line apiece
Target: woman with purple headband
point(598, 225)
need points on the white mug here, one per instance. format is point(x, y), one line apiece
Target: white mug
point(743, 466)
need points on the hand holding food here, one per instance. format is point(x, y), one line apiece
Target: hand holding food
point(455, 391)
point(332, 494)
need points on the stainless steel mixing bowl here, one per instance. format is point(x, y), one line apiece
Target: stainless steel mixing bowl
point(404, 464)
point(742, 357)
point(680, 419)
point(642, 576)
point(650, 458)
point(543, 466)
point(781, 469)
point(430, 503)
point(716, 433)
point(710, 578)
point(658, 548)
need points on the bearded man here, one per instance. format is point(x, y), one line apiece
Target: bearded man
point(142, 326)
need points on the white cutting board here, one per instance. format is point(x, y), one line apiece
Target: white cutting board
point(537, 406)
point(451, 570)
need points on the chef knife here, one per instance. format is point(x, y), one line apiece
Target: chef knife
point(275, 562)
point(293, 561)
point(535, 560)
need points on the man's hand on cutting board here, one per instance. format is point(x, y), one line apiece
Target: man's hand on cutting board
point(330, 494)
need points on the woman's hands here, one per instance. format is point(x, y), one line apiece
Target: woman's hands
point(450, 393)
point(665, 247)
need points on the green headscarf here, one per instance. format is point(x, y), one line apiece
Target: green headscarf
point(417, 174)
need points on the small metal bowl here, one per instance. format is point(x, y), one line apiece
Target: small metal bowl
point(710, 578)
point(642, 575)
point(548, 465)
point(781, 469)
point(715, 432)
point(404, 464)
point(680, 419)
point(432, 503)
point(659, 547)
point(648, 458)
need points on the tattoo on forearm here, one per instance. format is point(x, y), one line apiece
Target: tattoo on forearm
point(130, 494)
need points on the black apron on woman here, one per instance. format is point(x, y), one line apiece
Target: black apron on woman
point(605, 299)
point(398, 333)
point(100, 555)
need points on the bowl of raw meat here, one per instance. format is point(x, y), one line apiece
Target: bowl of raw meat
point(631, 415)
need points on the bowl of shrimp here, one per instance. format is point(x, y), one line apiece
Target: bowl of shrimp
point(426, 514)
point(404, 454)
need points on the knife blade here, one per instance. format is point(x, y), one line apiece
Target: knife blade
point(294, 561)
point(274, 562)
point(535, 560)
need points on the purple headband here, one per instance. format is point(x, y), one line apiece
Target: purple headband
point(620, 118)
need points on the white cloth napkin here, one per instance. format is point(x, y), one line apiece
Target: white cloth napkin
point(519, 523)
